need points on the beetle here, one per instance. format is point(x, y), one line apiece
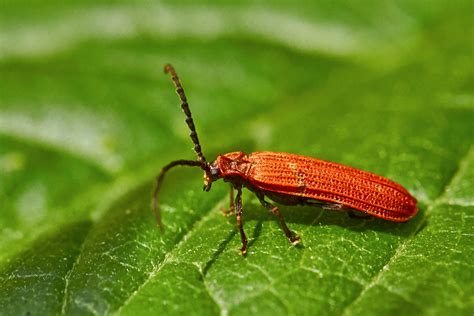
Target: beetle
point(290, 179)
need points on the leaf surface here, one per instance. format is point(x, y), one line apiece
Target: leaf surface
point(87, 119)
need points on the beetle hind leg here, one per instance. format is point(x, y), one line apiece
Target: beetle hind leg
point(292, 237)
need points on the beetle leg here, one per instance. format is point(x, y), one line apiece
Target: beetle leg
point(238, 213)
point(231, 203)
point(294, 239)
point(353, 214)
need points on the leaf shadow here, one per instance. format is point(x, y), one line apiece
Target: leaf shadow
point(316, 216)
point(222, 246)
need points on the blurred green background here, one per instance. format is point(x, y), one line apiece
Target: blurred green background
point(87, 118)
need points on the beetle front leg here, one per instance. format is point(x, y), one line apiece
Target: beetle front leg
point(294, 239)
point(238, 213)
point(231, 203)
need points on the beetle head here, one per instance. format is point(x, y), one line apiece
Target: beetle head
point(211, 174)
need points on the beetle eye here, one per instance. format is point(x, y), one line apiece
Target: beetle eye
point(214, 172)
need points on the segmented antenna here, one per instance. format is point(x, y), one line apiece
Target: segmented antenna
point(189, 119)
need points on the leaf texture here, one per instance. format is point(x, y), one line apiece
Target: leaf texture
point(87, 118)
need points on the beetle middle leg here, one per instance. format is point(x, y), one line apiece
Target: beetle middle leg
point(238, 214)
point(294, 239)
point(231, 208)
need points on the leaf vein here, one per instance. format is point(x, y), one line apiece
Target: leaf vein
point(69, 274)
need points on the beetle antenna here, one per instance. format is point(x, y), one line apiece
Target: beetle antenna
point(159, 180)
point(189, 119)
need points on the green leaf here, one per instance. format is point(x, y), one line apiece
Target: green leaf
point(87, 118)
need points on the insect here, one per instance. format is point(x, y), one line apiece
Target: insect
point(290, 179)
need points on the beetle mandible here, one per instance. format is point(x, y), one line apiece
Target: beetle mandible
point(291, 179)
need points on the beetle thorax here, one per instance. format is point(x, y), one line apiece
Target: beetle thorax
point(233, 164)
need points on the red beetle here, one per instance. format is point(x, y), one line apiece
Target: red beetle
point(290, 179)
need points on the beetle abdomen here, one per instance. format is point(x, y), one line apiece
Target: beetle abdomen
point(331, 182)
